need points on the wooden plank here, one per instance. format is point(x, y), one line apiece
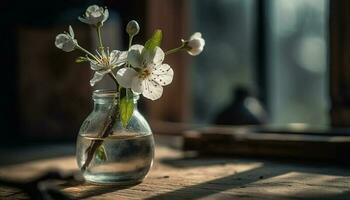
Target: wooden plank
point(171, 17)
point(251, 142)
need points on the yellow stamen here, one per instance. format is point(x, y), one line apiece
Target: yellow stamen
point(144, 74)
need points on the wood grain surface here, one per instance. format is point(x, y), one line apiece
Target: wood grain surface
point(178, 176)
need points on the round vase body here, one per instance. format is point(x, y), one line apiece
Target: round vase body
point(107, 152)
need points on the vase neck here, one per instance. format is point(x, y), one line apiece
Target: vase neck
point(104, 99)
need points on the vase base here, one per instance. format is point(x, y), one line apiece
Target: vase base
point(111, 181)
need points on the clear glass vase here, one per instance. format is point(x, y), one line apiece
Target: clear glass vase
point(106, 152)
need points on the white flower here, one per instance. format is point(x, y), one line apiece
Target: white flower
point(195, 44)
point(66, 41)
point(150, 74)
point(95, 15)
point(106, 63)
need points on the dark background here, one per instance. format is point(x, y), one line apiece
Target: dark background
point(275, 53)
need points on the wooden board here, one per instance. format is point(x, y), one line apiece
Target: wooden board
point(247, 141)
point(177, 177)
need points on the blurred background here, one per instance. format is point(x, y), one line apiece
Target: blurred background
point(265, 62)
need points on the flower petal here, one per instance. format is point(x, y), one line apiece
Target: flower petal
point(97, 77)
point(151, 89)
point(137, 85)
point(153, 57)
point(105, 15)
point(117, 58)
point(195, 52)
point(69, 46)
point(158, 56)
point(96, 66)
point(82, 19)
point(195, 46)
point(71, 32)
point(94, 15)
point(92, 8)
point(162, 74)
point(60, 39)
point(147, 57)
point(123, 55)
point(196, 43)
point(137, 47)
point(196, 35)
point(125, 77)
point(134, 56)
point(65, 42)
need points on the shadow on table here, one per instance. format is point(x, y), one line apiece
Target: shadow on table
point(288, 165)
point(83, 190)
point(199, 161)
point(246, 179)
point(17, 155)
point(237, 180)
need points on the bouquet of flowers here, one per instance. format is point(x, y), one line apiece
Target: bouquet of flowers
point(138, 70)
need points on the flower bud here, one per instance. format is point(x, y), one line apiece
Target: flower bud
point(195, 44)
point(66, 41)
point(132, 28)
point(95, 15)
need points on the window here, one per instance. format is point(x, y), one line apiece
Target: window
point(228, 27)
point(296, 58)
point(298, 76)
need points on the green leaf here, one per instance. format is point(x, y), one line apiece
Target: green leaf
point(126, 106)
point(154, 41)
point(101, 153)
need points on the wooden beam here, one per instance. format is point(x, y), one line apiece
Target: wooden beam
point(172, 17)
point(339, 43)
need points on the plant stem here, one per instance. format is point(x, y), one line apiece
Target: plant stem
point(131, 37)
point(175, 49)
point(111, 117)
point(99, 36)
point(86, 51)
point(106, 130)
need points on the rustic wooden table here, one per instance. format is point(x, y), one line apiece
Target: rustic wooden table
point(174, 176)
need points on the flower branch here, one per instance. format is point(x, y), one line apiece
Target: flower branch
point(138, 70)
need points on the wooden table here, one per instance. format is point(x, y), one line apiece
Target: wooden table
point(174, 176)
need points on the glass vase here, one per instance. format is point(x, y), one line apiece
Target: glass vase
point(108, 153)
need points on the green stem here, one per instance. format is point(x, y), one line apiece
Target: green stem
point(131, 37)
point(99, 36)
point(86, 51)
point(106, 131)
point(175, 49)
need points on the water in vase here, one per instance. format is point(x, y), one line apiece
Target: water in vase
point(124, 159)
